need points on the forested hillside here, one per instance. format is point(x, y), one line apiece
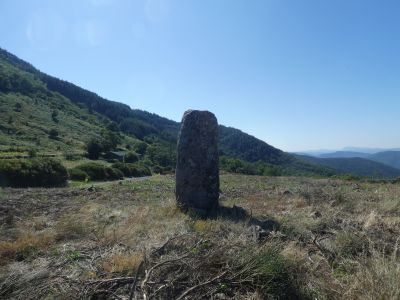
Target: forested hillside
point(43, 112)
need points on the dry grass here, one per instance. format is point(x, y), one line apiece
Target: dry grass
point(122, 263)
point(25, 247)
point(337, 240)
point(375, 277)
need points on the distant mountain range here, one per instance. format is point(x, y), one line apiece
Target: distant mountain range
point(350, 150)
point(389, 158)
point(354, 165)
point(343, 154)
point(369, 150)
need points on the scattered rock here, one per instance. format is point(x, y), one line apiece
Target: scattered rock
point(197, 170)
point(269, 225)
point(221, 296)
point(316, 215)
point(258, 233)
point(262, 229)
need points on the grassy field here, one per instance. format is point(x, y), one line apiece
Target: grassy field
point(336, 240)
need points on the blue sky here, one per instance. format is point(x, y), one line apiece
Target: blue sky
point(298, 74)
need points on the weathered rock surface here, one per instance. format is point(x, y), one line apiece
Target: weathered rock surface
point(197, 170)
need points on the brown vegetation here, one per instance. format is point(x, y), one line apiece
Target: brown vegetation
point(337, 240)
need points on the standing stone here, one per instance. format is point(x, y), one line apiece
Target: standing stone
point(197, 169)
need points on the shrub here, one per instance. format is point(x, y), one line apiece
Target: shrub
point(140, 147)
point(54, 116)
point(78, 174)
point(43, 172)
point(53, 134)
point(234, 165)
point(71, 156)
point(32, 153)
point(93, 149)
point(132, 170)
point(162, 170)
point(114, 173)
point(131, 157)
point(98, 171)
point(124, 168)
point(140, 171)
point(18, 107)
point(158, 170)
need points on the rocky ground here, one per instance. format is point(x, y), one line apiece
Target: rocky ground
point(332, 239)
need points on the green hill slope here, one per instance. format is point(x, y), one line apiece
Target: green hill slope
point(29, 111)
point(32, 103)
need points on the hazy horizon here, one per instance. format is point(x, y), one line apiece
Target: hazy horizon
point(298, 75)
point(347, 149)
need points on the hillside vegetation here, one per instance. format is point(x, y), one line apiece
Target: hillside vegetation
point(29, 112)
point(43, 114)
point(331, 239)
point(33, 103)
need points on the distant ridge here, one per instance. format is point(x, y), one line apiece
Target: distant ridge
point(343, 154)
point(390, 158)
point(354, 165)
point(369, 150)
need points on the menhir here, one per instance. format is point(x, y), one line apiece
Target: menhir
point(197, 169)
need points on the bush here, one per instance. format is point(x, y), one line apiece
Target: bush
point(32, 153)
point(140, 171)
point(124, 168)
point(78, 174)
point(131, 157)
point(132, 170)
point(18, 107)
point(98, 171)
point(70, 156)
point(158, 170)
point(140, 147)
point(43, 172)
point(53, 134)
point(93, 149)
point(162, 170)
point(234, 165)
point(114, 173)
